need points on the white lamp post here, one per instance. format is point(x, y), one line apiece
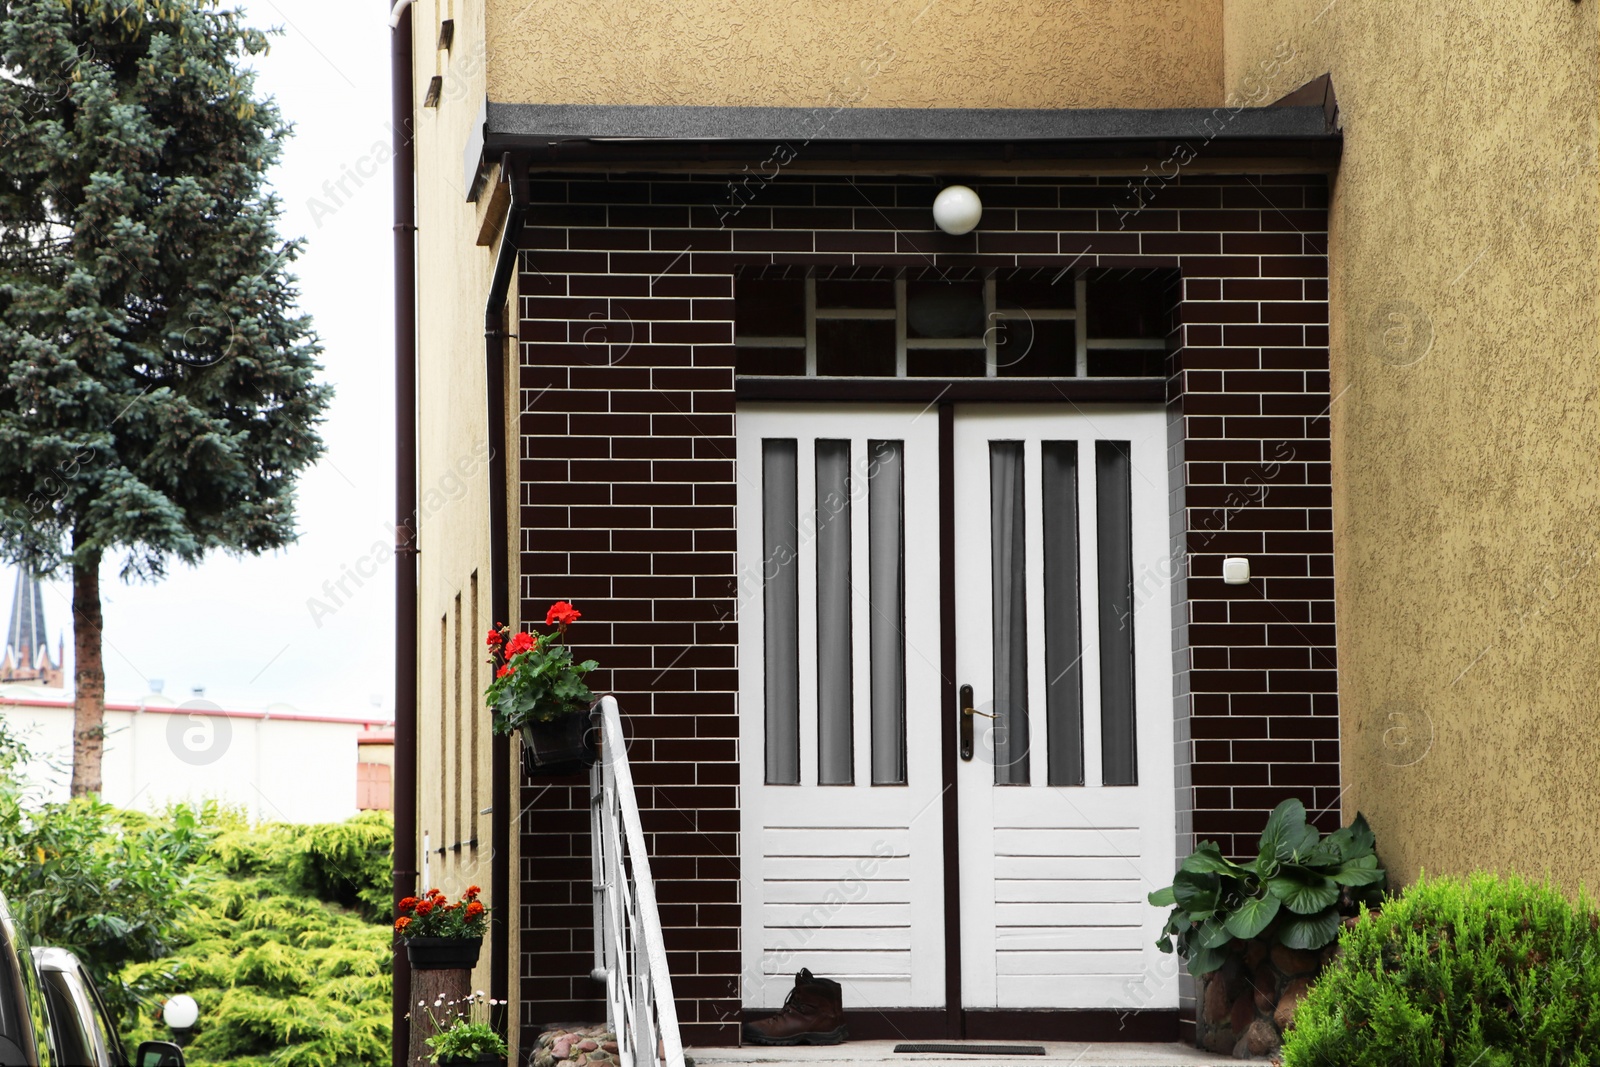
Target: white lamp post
point(180, 1013)
point(957, 209)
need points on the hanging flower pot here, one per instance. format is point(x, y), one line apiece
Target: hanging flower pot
point(561, 746)
point(442, 935)
point(539, 692)
point(443, 953)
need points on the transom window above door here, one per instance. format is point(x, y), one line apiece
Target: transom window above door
point(1047, 323)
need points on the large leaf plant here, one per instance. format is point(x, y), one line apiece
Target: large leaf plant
point(1294, 893)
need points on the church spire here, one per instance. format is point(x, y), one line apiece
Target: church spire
point(26, 657)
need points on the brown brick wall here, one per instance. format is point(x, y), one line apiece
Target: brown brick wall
point(626, 388)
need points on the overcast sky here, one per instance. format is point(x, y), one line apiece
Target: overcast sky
point(243, 629)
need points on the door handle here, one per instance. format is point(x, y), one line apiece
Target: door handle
point(968, 712)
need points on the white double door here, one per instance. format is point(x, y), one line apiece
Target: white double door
point(1064, 765)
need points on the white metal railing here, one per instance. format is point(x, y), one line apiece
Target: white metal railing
point(629, 954)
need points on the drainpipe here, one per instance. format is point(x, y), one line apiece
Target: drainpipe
point(405, 502)
point(495, 335)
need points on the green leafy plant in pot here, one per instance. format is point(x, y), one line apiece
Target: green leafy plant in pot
point(1252, 932)
point(1294, 893)
point(539, 691)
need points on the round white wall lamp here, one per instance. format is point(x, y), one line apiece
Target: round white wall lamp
point(180, 1012)
point(957, 209)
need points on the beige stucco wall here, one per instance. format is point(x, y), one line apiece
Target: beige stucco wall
point(828, 53)
point(1465, 468)
point(453, 276)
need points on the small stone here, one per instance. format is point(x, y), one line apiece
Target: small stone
point(562, 1047)
point(609, 1046)
point(542, 1058)
point(1215, 999)
point(1283, 1014)
point(1293, 961)
point(1244, 1010)
point(588, 1045)
point(1266, 999)
point(599, 1056)
point(1261, 1038)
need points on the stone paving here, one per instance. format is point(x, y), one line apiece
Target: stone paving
point(1057, 1054)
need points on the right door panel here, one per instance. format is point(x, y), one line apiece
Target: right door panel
point(1063, 601)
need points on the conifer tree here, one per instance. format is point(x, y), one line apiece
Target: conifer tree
point(157, 386)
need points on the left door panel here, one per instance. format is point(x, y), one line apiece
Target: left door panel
point(841, 830)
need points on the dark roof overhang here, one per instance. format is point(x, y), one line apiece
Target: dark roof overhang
point(612, 135)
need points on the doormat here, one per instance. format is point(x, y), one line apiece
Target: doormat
point(976, 1050)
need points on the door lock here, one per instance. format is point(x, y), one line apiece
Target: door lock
point(967, 714)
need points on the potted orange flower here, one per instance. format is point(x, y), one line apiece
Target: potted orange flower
point(440, 934)
point(539, 692)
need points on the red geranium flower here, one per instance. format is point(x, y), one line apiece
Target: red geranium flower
point(503, 671)
point(561, 615)
point(495, 638)
point(521, 642)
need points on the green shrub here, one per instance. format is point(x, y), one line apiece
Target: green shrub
point(1481, 972)
point(110, 885)
point(348, 863)
point(280, 932)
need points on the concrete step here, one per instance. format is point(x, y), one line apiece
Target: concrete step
point(1057, 1054)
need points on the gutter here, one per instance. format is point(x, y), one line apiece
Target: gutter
point(495, 336)
point(405, 502)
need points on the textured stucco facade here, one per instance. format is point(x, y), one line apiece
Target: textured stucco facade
point(1465, 424)
point(453, 566)
point(907, 53)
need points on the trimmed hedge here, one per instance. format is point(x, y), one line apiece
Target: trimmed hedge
point(1476, 972)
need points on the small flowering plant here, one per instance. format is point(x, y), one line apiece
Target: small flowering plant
point(536, 679)
point(433, 915)
point(467, 1036)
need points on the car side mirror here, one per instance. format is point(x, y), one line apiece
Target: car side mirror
point(158, 1054)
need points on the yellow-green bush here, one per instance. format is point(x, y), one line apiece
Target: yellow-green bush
point(282, 977)
point(1476, 972)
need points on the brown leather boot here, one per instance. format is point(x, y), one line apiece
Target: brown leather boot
point(813, 1014)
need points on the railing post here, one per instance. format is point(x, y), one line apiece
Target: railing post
point(630, 952)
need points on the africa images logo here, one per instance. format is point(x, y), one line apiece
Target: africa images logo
point(198, 733)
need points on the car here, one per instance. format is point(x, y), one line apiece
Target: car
point(24, 1019)
point(51, 1014)
point(81, 1034)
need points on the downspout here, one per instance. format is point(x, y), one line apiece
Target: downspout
point(405, 503)
point(495, 336)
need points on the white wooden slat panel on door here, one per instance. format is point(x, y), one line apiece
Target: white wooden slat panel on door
point(1115, 913)
point(1070, 938)
point(843, 879)
point(1079, 889)
point(839, 912)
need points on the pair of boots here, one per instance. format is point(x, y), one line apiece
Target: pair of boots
point(813, 1014)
